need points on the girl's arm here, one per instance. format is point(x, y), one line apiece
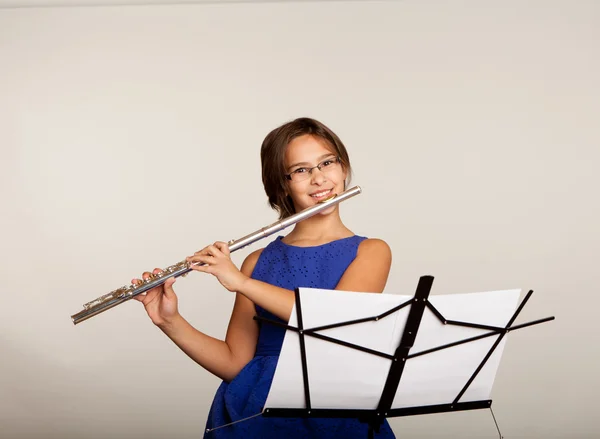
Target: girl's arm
point(367, 273)
point(225, 358)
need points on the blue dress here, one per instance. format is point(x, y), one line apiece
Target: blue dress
point(288, 267)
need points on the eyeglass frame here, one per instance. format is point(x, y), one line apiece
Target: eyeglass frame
point(336, 159)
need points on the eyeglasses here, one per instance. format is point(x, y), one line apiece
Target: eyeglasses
point(326, 166)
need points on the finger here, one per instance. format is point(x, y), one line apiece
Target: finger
point(142, 297)
point(223, 247)
point(169, 292)
point(206, 259)
point(136, 282)
point(157, 271)
point(202, 268)
point(151, 295)
point(146, 275)
point(204, 251)
point(214, 250)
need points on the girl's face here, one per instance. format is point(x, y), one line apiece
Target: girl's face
point(309, 186)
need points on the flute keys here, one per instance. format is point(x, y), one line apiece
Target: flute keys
point(121, 292)
point(127, 291)
point(153, 276)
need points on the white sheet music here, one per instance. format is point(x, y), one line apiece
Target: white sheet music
point(345, 378)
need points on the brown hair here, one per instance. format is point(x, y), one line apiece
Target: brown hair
point(272, 155)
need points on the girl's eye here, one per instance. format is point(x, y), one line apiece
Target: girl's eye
point(300, 171)
point(327, 162)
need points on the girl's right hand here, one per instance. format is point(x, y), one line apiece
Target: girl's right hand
point(160, 302)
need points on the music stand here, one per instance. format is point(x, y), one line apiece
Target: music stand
point(390, 402)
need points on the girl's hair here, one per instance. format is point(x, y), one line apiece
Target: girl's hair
point(272, 155)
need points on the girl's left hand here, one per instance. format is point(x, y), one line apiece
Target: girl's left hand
point(219, 264)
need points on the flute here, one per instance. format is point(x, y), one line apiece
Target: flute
point(127, 292)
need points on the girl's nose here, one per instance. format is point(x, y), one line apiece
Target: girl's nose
point(317, 176)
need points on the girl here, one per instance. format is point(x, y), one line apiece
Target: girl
point(303, 162)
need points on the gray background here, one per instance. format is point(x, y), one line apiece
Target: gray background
point(130, 138)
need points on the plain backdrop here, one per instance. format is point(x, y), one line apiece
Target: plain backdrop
point(130, 137)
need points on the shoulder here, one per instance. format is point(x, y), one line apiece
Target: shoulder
point(250, 262)
point(374, 248)
point(370, 269)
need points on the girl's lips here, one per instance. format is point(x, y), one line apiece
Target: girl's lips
point(321, 194)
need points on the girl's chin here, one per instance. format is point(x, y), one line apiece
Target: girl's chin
point(327, 211)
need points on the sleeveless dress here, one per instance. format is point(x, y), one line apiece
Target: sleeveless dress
point(288, 267)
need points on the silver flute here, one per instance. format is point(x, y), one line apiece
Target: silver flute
point(125, 293)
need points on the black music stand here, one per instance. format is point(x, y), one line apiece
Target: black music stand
point(375, 418)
